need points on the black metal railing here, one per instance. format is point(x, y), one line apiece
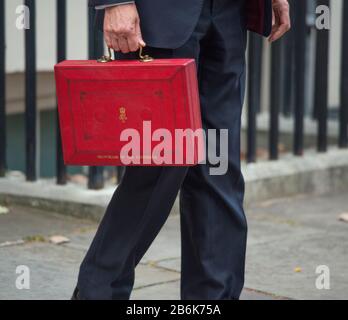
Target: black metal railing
point(321, 84)
point(30, 95)
point(276, 97)
point(288, 87)
point(287, 90)
point(2, 91)
point(343, 118)
point(254, 92)
point(61, 55)
point(300, 31)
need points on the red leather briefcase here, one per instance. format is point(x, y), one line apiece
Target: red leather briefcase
point(130, 112)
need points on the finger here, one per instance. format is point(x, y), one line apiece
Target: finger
point(281, 26)
point(115, 44)
point(139, 35)
point(112, 42)
point(274, 29)
point(123, 44)
point(279, 32)
point(108, 39)
point(273, 32)
point(133, 43)
point(273, 18)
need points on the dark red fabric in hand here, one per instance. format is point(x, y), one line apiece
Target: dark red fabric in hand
point(259, 16)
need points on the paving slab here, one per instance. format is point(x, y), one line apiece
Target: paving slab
point(171, 291)
point(52, 270)
point(305, 234)
point(166, 245)
point(288, 240)
point(23, 222)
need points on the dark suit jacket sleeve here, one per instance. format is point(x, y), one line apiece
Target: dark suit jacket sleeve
point(93, 3)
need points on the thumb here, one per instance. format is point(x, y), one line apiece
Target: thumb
point(139, 35)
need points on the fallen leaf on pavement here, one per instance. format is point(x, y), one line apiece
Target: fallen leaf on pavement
point(344, 217)
point(298, 270)
point(4, 210)
point(34, 238)
point(59, 240)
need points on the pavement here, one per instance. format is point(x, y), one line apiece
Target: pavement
point(295, 246)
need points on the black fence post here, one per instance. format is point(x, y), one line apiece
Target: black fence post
point(95, 48)
point(288, 69)
point(2, 91)
point(343, 132)
point(321, 83)
point(30, 93)
point(276, 97)
point(300, 34)
point(254, 92)
point(61, 55)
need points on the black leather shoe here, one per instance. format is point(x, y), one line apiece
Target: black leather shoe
point(76, 295)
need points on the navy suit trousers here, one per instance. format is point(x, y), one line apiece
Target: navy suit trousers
point(213, 223)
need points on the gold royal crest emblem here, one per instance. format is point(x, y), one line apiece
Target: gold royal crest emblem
point(123, 115)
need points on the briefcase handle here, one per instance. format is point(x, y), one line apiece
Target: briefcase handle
point(142, 57)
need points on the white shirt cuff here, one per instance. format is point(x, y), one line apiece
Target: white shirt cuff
point(112, 5)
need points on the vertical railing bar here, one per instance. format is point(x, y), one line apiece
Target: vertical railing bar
point(276, 98)
point(254, 93)
point(30, 94)
point(3, 148)
point(300, 31)
point(288, 86)
point(321, 83)
point(95, 49)
point(61, 55)
point(343, 127)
